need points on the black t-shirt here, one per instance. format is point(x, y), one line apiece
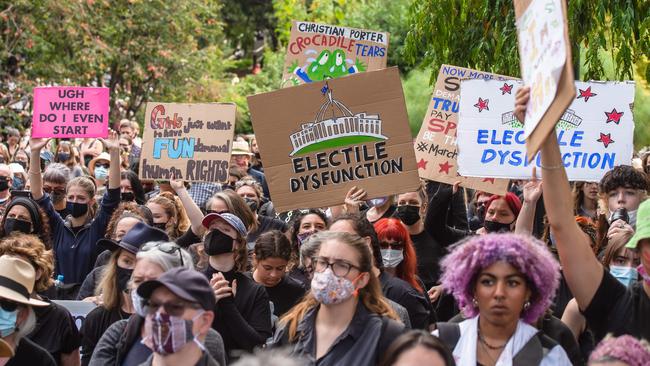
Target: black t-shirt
point(284, 295)
point(29, 353)
point(94, 326)
point(619, 310)
point(429, 253)
point(265, 224)
point(55, 330)
point(245, 321)
point(402, 293)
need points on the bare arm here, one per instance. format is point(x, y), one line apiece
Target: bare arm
point(526, 218)
point(35, 175)
point(113, 147)
point(581, 269)
point(191, 208)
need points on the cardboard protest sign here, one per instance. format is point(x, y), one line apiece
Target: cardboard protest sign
point(435, 145)
point(319, 52)
point(595, 133)
point(78, 309)
point(187, 141)
point(70, 111)
point(320, 139)
point(545, 52)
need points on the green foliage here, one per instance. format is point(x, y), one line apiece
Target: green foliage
point(482, 35)
point(141, 50)
point(417, 93)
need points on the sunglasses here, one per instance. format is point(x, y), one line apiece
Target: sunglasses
point(7, 305)
point(394, 245)
point(168, 248)
point(50, 190)
point(171, 308)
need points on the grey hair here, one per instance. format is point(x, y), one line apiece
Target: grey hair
point(270, 357)
point(6, 167)
point(57, 173)
point(151, 251)
point(309, 248)
point(28, 326)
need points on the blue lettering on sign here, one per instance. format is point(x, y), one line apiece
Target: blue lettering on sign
point(176, 148)
point(445, 104)
point(450, 70)
point(364, 50)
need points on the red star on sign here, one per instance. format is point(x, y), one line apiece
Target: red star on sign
point(586, 94)
point(482, 104)
point(491, 180)
point(614, 116)
point(445, 167)
point(422, 164)
point(506, 89)
point(606, 139)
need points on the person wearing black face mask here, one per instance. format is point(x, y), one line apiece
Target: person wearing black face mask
point(24, 215)
point(501, 214)
point(6, 179)
point(411, 210)
point(116, 300)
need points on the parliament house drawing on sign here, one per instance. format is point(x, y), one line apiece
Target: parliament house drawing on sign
point(335, 131)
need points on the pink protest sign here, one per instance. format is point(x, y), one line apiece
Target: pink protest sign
point(70, 111)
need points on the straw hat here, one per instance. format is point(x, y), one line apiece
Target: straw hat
point(241, 148)
point(17, 278)
point(103, 156)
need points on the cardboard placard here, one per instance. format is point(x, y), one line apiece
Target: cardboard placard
point(435, 146)
point(595, 133)
point(70, 112)
point(545, 55)
point(320, 139)
point(78, 309)
point(187, 141)
point(319, 52)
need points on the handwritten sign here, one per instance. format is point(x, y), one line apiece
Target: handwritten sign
point(68, 112)
point(545, 54)
point(78, 309)
point(595, 133)
point(320, 139)
point(435, 146)
point(319, 52)
point(187, 141)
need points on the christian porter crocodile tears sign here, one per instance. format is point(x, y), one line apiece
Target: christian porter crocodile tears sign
point(318, 140)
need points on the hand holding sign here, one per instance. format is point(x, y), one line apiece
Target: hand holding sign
point(521, 99)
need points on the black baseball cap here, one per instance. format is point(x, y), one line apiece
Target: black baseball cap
point(139, 235)
point(185, 283)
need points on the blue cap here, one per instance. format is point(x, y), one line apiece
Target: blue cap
point(229, 218)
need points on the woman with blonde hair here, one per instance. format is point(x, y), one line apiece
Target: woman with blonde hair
point(55, 330)
point(75, 239)
point(344, 319)
point(169, 214)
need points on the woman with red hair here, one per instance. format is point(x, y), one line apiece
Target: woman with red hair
point(397, 251)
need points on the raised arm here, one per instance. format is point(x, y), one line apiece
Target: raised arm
point(113, 147)
point(191, 208)
point(35, 175)
point(526, 218)
point(581, 269)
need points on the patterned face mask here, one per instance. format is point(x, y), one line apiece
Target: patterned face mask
point(166, 334)
point(328, 289)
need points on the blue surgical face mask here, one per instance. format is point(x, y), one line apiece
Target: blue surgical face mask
point(101, 172)
point(18, 183)
point(7, 322)
point(376, 202)
point(138, 303)
point(625, 275)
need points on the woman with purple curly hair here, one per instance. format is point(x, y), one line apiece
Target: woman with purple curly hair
point(502, 283)
point(624, 350)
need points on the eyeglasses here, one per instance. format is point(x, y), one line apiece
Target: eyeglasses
point(168, 248)
point(339, 267)
point(8, 305)
point(394, 245)
point(49, 190)
point(171, 308)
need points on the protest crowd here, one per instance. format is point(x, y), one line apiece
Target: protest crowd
point(175, 271)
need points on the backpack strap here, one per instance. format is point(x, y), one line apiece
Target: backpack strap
point(449, 334)
point(534, 351)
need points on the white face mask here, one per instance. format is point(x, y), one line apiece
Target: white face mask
point(392, 257)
